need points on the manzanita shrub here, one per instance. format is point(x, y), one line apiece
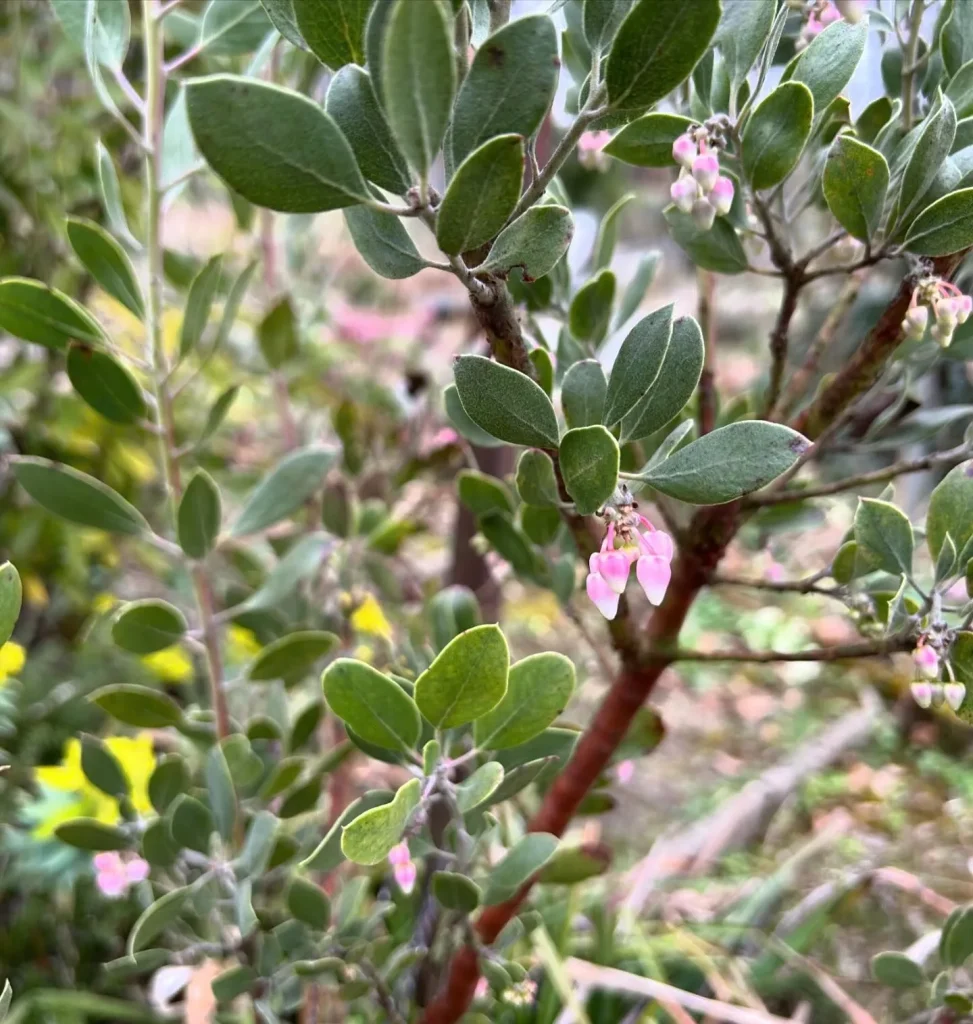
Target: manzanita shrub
point(419, 119)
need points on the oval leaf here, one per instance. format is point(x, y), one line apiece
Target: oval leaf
point(144, 627)
point(327, 856)
point(637, 364)
point(718, 249)
point(536, 482)
point(292, 656)
point(91, 834)
point(856, 179)
point(107, 263)
point(591, 308)
point(369, 837)
point(274, 146)
point(951, 511)
point(520, 864)
point(11, 596)
point(285, 489)
point(384, 243)
point(105, 384)
point(944, 227)
point(884, 536)
point(827, 65)
point(535, 241)
point(467, 678)
point(589, 458)
point(378, 710)
point(333, 29)
point(728, 463)
point(480, 786)
point(199, 516)
point(34, 312)
point(137, 706)
point(776, 134)
point(156, 918)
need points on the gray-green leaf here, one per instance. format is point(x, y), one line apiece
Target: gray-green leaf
point(480, 786)
point(827, 65)
point(34, 312)
point(591, 308)
point(369, 837)
point(277, 334)
point(776, 134)
point(742, 31)
point(105, 384)
point(523, 861)
point(334, 30)
point(285, 489)
point(146, 626)
point(856, 178)
point(647, 141)
point(583, 393)
point(107, 263)
point(535, 241)
point(198, 305)
point(637, 364)
point(378, 710)
point(884, 534)
point(944, 227)
point(718, 249)
point(384, 243)
point(951, 510)
point(589, 458)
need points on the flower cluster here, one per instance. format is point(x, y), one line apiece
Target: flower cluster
point(700, 189)
point(114, 876)
point(821, 14)
point(927, 690)
point(650, 549)
point(403, 867)
point(523, 993)
point(949, 307)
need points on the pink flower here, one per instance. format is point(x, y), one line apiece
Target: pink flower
point(721, 195)
point(354, 323)
point(114, 876)
point(403, 868)
point(400, 854)
point(922, 693)
point(684, 150)
point(482, 989)
point(704, 214)
point(650, 549)
point(593, 141)
point(926, 661)
point(964, 308)
point(955, 694)
point(706, 169)
point(916, 320)
point(683, 193)
point(625, 772)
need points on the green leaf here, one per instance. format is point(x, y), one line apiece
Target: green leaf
point(608, 232)
point(102, 769)
point(635, 290)
point(370, 703)
point(951, 510)
point(199, 516)
point(856, 179)
point(328, 854)
point(535, 241)
point(277, 334)
point(591, 308)
point(169, 778)
point(352, 102)
point(944, 227)
point(191, 823)
point(198, 305)
point(519, 778)
point(471, 792)
point(483, 494)
point(589, 458)
point(156, 918)
point(538, 690)
point(233, 982)
point(510, 85)
point(452, 611)
point(282, 17)
point(956, 944)
point(105, 384)
point(655, 49)
point(368, 838)
point(258, 845)
point(728, 462)
point(827, 65)
point(144, 627)
point(467, 678)
point(285, 489)
point(179, 155)
point(776, 134)
point(307, 902)
point(384, 243)
point(274, 146)
point(583, 394)
point(743, 29)
point(462, 422)
point(11, 595)
point(930, 150)
point(107, 263)
point(34, 312)
point(521, 863)
point(541, 525)
point(219, 788)
point(718, 249)
point(544, 368)
point(77, 497)
point(91, 834)
point(218, 412)
point(897, 970)
point(677, 380)
point(955, 41)
point(481, 195)
point(574, 864)
point(884, 534)
point(230, 28)
point(292, 656)
point(505, 403)
point(637, 364)
point(647, 141)
point(946, 562)
point(334, 30)
point(137, 706)
point(6, 998)
point(111, 195)
point(418, 78)
point(455, 891)
point(536, 482)
point(959, 91)
point(510, 542)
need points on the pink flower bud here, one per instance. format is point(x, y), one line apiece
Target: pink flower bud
point(938, 697)
point(684, 151)
point(916, 320)
point(964, 306)
point(684, 192)
point(482, 989)
point(400, 854)
point(704, 214)
point(613, 567)
point(656, 542)
point(137, 870)
point(405, 876)
point(625, 772)
point(946, 313)
point(653, 574)
point(830, 14)
point(922, 693)
point(602, 596)
point(955, 694)
point(721, 195)
point(706, 169)
point(926, 661)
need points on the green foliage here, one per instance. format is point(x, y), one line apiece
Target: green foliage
point(535, 242)
point(776, 134)
point(856, 178)
point(147, 626)
point(370, 703)
point(105, 384)
point(589, 459)
point(368, 838)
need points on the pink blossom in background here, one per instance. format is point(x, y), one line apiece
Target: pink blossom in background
point(114, 876)
point(442, 438)
point(482, 989)
point(590, 153)
point(355, 323)
point(403, 868)
point(625, 772)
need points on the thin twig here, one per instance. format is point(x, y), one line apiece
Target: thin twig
point(840, 652)
point(130, 94)
point(806, 586)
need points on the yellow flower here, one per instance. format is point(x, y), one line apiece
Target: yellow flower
point(12, 658)
point(241, 644)
point(103, 603)
point(171, 664)
point(34, 590)
point(363, 653)
point(134, 755)
point(369, 618)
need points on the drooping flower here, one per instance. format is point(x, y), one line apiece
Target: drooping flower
point(403, 868)
point(590, 147)
point(954, 694)
point(683, 193)
point(926, 660)
point(625, 771)
point(114, 876)
point(704, 213)
point(721, 195)
point(948, 305)
point(706, 169)
point(684, 150)
point(629, 539)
